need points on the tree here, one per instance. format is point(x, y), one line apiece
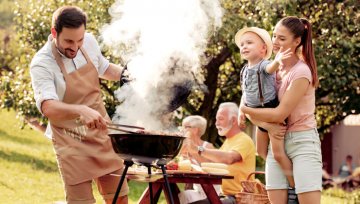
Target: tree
point(336, 39)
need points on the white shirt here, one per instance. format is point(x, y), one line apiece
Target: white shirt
point(46, 76)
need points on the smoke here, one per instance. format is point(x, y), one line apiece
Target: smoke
point(163, 42)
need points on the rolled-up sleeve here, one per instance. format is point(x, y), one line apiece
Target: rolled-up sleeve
point(103, 63)
point(43, 84)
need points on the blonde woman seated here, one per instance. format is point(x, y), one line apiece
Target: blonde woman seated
point(194, 127)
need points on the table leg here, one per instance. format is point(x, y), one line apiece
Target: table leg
point(174, 192)
point(150, 186)
point(211, 193)
point(156, 189)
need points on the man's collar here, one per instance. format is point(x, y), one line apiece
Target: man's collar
point(50, 38)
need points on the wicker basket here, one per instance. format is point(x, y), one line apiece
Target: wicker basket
point(253, 192)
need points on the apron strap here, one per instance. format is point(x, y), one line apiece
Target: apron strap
point(58, 59)
point(85, 55)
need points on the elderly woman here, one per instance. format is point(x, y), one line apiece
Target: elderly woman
point(194, 127)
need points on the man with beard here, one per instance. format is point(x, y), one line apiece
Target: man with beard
point(65, 77)
point(238, 151)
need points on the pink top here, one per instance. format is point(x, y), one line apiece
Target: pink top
point(302, 117)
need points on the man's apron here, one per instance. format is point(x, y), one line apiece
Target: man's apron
point(82, 153)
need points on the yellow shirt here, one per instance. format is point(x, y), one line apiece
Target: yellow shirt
point(244, 145)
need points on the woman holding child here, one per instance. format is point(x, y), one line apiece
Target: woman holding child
point(296, 81)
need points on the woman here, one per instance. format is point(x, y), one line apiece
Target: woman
point(194, 127)
point(296, 83)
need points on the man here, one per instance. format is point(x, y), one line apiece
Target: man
point(65, 78)
point(346, 168)
point(238, 151)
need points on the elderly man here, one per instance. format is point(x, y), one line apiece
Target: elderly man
point(238, 151)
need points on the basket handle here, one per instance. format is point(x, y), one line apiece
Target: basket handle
point(255, 172)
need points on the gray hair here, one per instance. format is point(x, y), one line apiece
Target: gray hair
point(233, 108)
point(196, 121)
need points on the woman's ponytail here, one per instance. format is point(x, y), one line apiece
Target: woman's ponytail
point(307, 50)
point(301, 28)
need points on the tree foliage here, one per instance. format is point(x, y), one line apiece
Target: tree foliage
point(336, 40)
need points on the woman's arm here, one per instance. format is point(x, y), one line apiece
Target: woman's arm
point(274, 129)
point(241, 116)
point(289, 101)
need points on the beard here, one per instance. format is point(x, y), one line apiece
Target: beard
point(69, 53)
point(222, 131)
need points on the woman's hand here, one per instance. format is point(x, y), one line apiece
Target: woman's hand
point(188, 147)
point(277, 131)
point(241, 120)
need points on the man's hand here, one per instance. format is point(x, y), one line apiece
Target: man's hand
point(91, 118)
point(280, 56)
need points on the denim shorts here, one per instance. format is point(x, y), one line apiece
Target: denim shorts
point(304, 150)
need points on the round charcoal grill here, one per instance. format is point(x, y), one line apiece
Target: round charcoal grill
point(148, 150)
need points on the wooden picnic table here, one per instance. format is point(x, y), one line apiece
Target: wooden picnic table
point(157, 183)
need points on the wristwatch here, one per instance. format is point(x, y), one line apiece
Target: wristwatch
point(200, 149)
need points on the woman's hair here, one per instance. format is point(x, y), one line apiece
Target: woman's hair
point(301, 27)
point(196, 121)
point(68, 17)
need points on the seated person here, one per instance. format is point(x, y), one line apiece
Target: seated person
point(238, 151)
point(327, 181)
point(194, 127)
point(346, 168)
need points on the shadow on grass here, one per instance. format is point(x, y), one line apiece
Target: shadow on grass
point(17, 139)
point(35, 163)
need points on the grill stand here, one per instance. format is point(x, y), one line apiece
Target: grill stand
point(160, 163)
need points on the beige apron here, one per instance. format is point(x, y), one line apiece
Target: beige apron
point(82, 157)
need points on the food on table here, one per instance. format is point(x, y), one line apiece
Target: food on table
point(185, 165)
point(214, 165)
point(172, 165)
point(216, 171)
point(159, 132)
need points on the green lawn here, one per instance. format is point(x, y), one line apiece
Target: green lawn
point(28, 169)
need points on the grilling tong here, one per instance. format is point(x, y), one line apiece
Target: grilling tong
point(125, 128)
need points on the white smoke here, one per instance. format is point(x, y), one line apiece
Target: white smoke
point(163, 42)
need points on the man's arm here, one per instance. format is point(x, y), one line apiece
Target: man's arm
point(226, 157)
point(215, 155)
point(113, 72)
point(57, 110)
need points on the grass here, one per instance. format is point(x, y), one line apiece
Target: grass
point(29, 174)
point(28, 169)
